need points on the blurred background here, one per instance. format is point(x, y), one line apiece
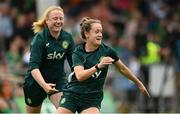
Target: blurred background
point(145, 34)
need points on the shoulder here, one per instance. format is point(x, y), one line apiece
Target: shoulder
point(38, 38)
point(42, 35)
point(105, 47)
point(43, 32)
point(79, 48)
point(79, 51)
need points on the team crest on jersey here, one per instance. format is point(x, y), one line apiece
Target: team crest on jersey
point(63, 100)
point(29, 100)
point(65, 44)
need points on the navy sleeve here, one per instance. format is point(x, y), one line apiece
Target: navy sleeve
point(36, 52)
point(112, 53)
point(78, 59)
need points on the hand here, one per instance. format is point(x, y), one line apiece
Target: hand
point(50, 88)
point(53, 91)
point(143, 90)
point(105, 61)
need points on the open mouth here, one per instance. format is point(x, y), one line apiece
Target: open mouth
point(58, 25)
point(98, 38)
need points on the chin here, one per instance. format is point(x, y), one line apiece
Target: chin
point(57, 30)
point(98, 43)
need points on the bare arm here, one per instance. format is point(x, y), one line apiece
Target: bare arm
point(126, 72)
point(38, 77)
point(83, 74)
point(48, 87)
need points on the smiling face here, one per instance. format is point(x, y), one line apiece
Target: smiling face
point(55, 20)
point(94, 36)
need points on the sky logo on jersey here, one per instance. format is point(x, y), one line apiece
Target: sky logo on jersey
point(55, 55)
point(96, 74)
point(65, 44)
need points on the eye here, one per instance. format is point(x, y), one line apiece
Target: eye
point(61, 18)
point(98, 31)
point(55, 18)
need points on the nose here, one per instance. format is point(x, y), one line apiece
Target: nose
point(58, 20)
point(100, 34)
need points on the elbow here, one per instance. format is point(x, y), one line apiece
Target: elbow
point(34, 70)
point(80, 78)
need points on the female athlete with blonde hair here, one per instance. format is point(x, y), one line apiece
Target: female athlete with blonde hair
point(50, 47)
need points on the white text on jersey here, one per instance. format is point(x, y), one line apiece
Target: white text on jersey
point(55, 55)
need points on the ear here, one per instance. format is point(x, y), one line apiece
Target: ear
point(86, 34)
point(46, 20)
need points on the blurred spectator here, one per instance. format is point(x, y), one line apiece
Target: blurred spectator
point(5, 94)
point(23, 28)
point(174, 36)
point(6, 24)
point(143, 32)
point(13, 56)
point(156, 7)
point(6, 29)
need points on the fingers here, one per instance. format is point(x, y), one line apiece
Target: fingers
point(51, 88)
point(52, 85)
point(144, 90)
point(52, 91)
point(107, 60)
point(147, 93)
point(110, 59)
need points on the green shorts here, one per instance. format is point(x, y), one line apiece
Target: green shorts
point(34, 94)
point(79, 102)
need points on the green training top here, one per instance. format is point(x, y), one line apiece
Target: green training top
point(95, 83)
point(48, 54)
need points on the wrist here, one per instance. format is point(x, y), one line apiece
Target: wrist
point(97, 67)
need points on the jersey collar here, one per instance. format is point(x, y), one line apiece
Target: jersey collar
point(83, 47)
point(50, 36)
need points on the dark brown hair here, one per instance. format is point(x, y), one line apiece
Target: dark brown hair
point(85, 25)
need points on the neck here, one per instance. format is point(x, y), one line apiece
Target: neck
point(90, 47)
point(55, 34)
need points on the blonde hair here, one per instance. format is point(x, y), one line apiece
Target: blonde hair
point(85, 25)
point(41, 23)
